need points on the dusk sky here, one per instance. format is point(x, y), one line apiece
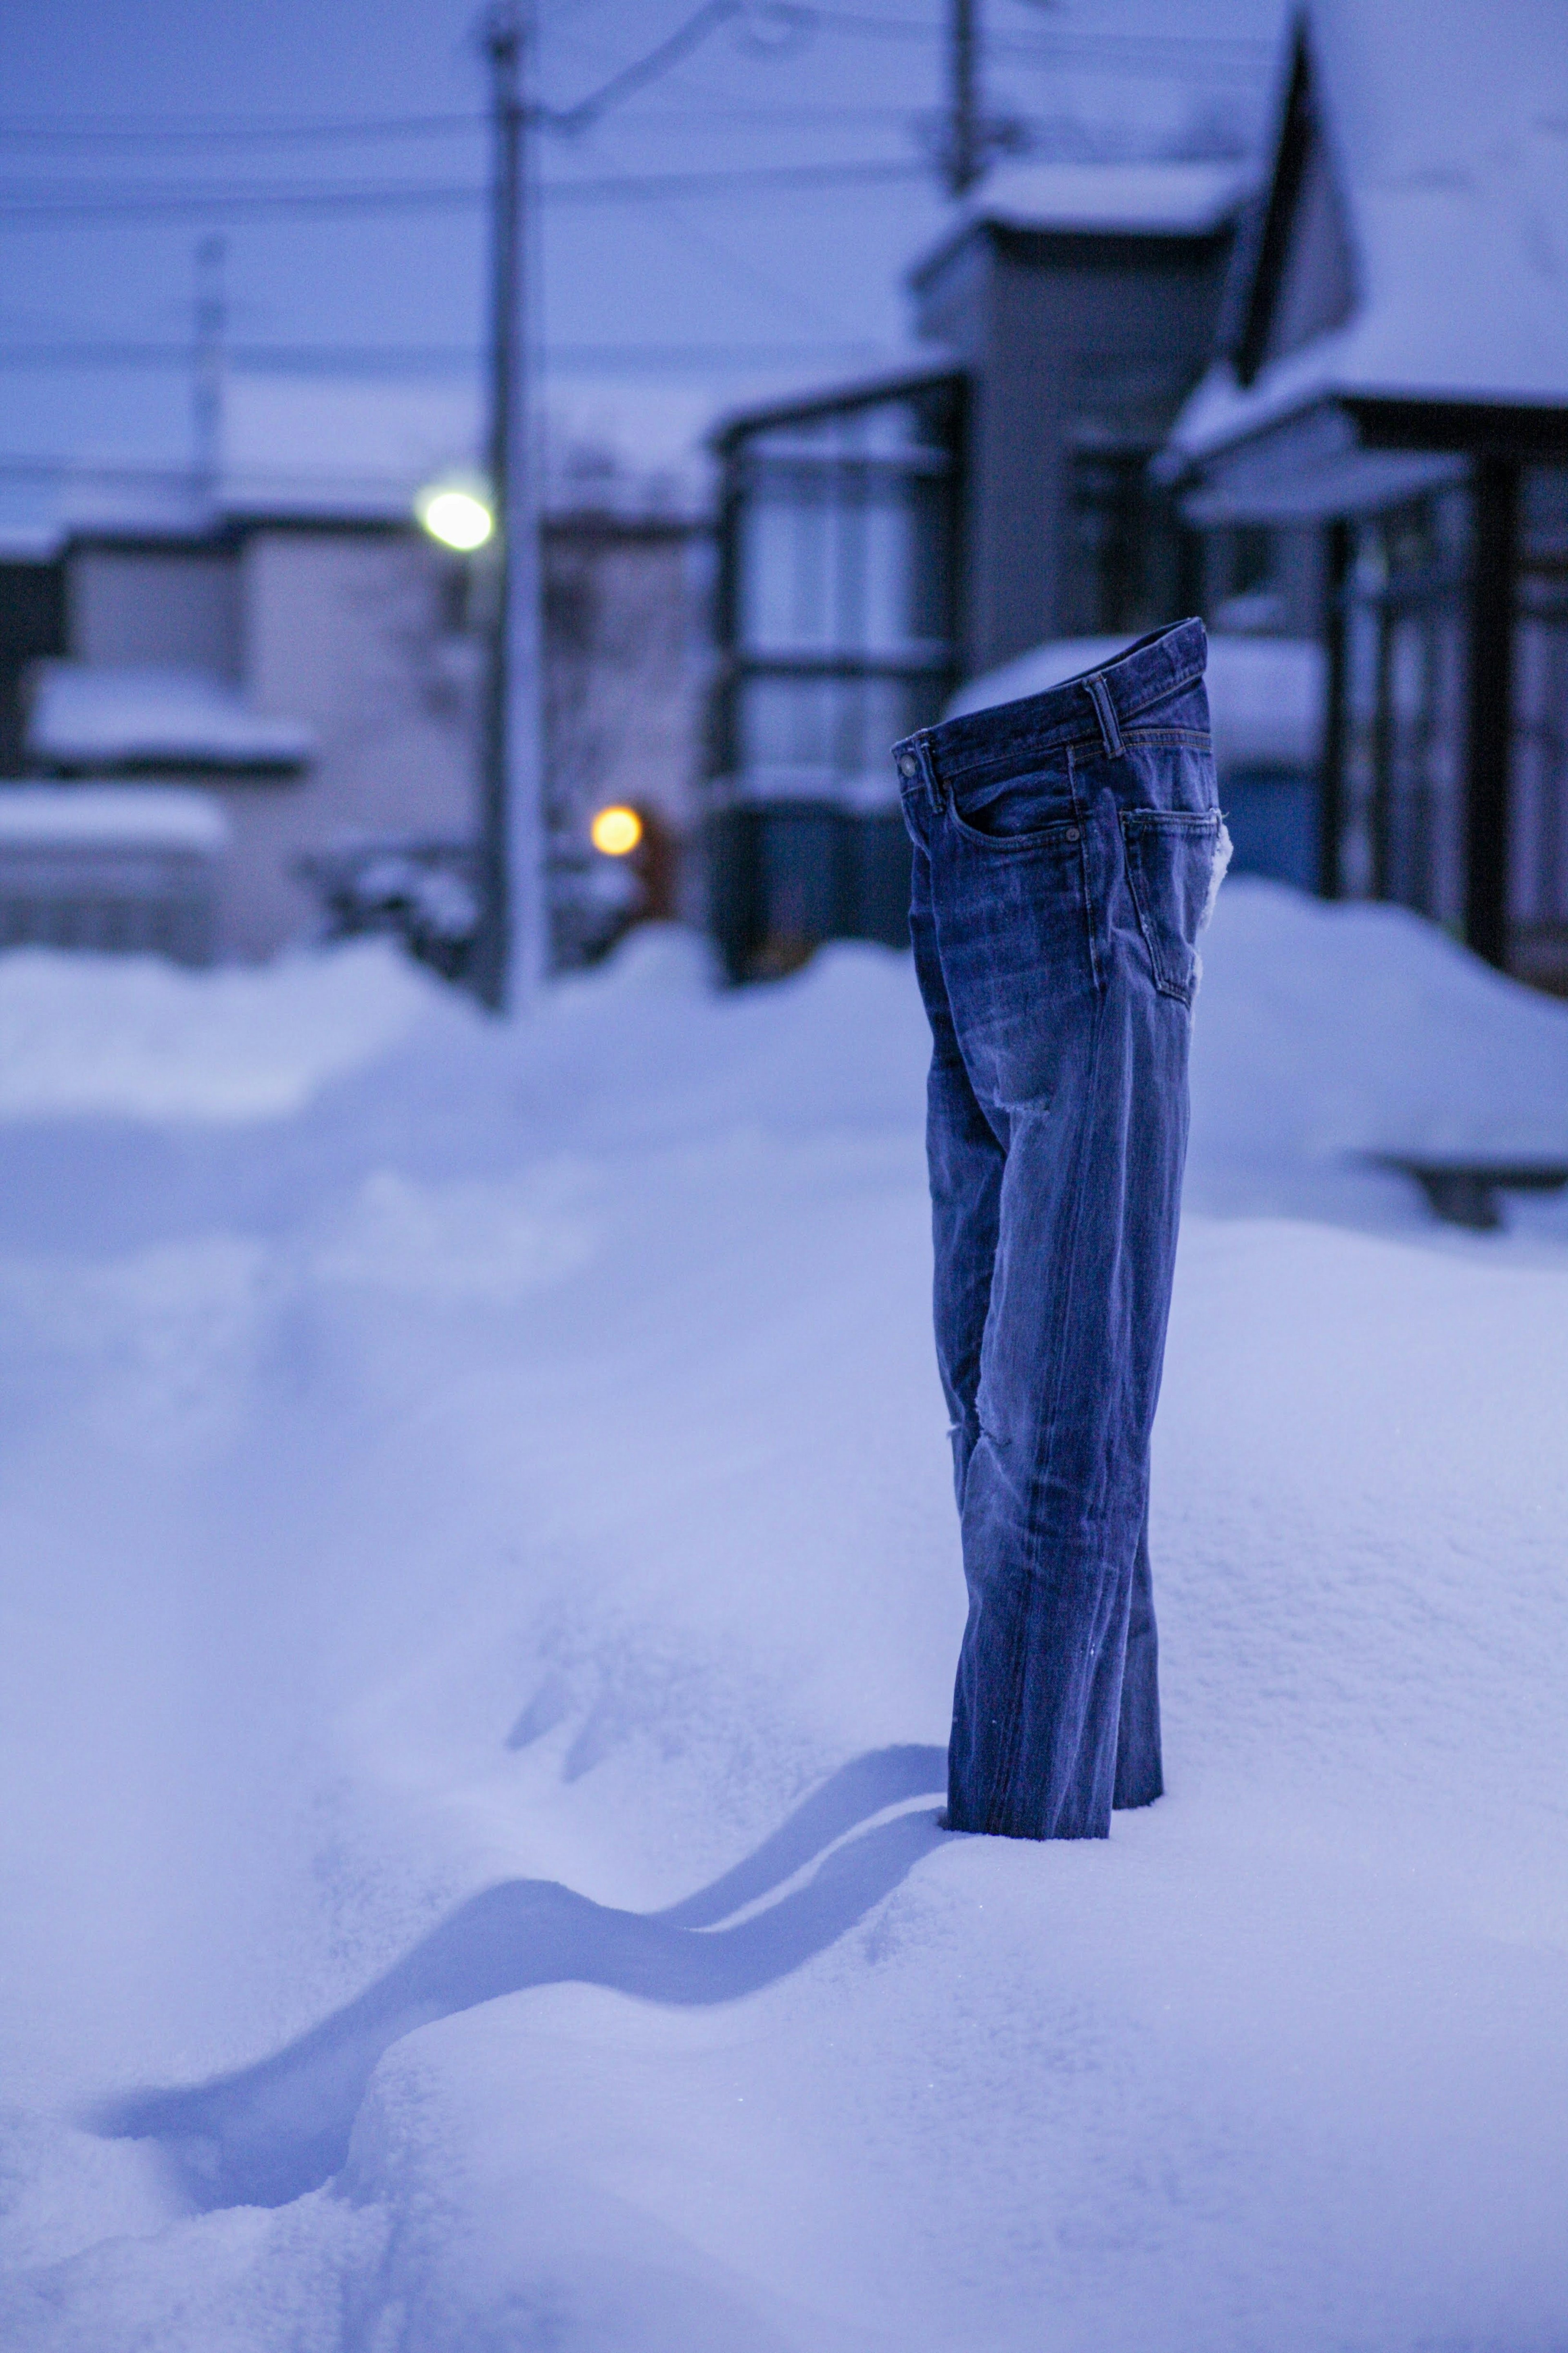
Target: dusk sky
point(348, 148)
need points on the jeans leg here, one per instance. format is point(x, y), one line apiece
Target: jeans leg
point(1054, 1504)
point(1140, 1777)
point(965, 1160)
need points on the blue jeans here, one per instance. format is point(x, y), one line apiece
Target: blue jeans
point(1066, 849)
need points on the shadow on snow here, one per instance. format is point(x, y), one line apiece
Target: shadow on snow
point(272, 2132)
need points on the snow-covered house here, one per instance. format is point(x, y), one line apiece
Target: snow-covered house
point(283, 636)
point(882, 541)
point(1393, 369)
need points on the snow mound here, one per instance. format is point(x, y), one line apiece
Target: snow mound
point(479, 1592)
point(135, 1037)
point(1327, 1033)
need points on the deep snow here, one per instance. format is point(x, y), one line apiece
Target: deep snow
point(480, 1592)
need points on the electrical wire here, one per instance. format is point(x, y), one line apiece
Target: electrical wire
point(28, 208)
point(38, 130)
point(411, 359)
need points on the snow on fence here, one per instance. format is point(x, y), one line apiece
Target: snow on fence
point(125, 869)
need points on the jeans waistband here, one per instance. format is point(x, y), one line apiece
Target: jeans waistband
point(1095, 706)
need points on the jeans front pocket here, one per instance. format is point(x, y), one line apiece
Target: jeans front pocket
point(1016, 809)
point(1173, 861)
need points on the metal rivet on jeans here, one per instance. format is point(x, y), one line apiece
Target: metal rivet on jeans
point(1072, 833)
point(908, 764)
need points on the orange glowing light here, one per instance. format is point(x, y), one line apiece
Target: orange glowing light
point(616, 831)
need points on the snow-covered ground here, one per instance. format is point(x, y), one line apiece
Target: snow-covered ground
point(480, 1591)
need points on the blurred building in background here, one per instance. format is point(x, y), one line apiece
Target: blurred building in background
point(1320, 399)
point(1326, 406)
point(1392, 370)
point(882, 542)
point(283, 638)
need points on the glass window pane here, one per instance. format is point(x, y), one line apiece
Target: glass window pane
point(811, 735)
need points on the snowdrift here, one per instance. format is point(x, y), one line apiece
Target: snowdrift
point(480, 1595)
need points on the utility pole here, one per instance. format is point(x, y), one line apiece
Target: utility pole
point(964, 161)
point(211, 321)
point(511, 952)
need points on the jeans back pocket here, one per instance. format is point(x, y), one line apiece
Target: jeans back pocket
point(1173, 859)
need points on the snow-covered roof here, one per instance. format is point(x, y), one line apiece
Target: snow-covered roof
point(83, 717)
point(111, 816)
point(811, 395)
point(1446, 133)
point(1148, 199)
point(1097, 199)
point(1265, 695)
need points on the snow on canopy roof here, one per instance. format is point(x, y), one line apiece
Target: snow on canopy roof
point(810, 400)
point(1099, 199)
point(1265, 695)
point(1153, 199)
point(1446, 131)
point(119, 816)
point(86, 717)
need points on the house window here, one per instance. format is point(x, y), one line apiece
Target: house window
point(1538, 845)
point(1407, 628)
point(1130, 563)
point(839, 623)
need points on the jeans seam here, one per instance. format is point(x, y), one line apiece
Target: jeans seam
point(1012, 1744)
point(1086, 889)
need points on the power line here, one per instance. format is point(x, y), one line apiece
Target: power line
point(418, 359)
point(28, 207)
point(1138, 51)
point(184, 132)
point(645, 69)
point(192, 130)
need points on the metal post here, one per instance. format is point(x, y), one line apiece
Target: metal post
point(211, 319)
point(510, 954)
point(1495, 536)
point(963, 161)
point(1336, 714)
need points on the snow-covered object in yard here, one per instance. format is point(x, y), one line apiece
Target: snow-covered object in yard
point(131, 868)
point(1447, 136)
point(481, 1594)
point(79, 1039)
point(111, 816)
point(1265, 695)
point(83, 717)
point(1326, 1034)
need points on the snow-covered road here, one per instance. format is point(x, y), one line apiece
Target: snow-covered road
point(480, 1593)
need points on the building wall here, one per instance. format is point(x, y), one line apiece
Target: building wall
point(356, 634)
point(151, 607)
point(628, 654)
point(367, 637)
point(1081, 346)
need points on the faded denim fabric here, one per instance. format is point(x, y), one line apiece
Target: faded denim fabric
point(1067, 850)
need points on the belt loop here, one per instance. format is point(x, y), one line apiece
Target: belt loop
point(928, 763)
point(1105, 711)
